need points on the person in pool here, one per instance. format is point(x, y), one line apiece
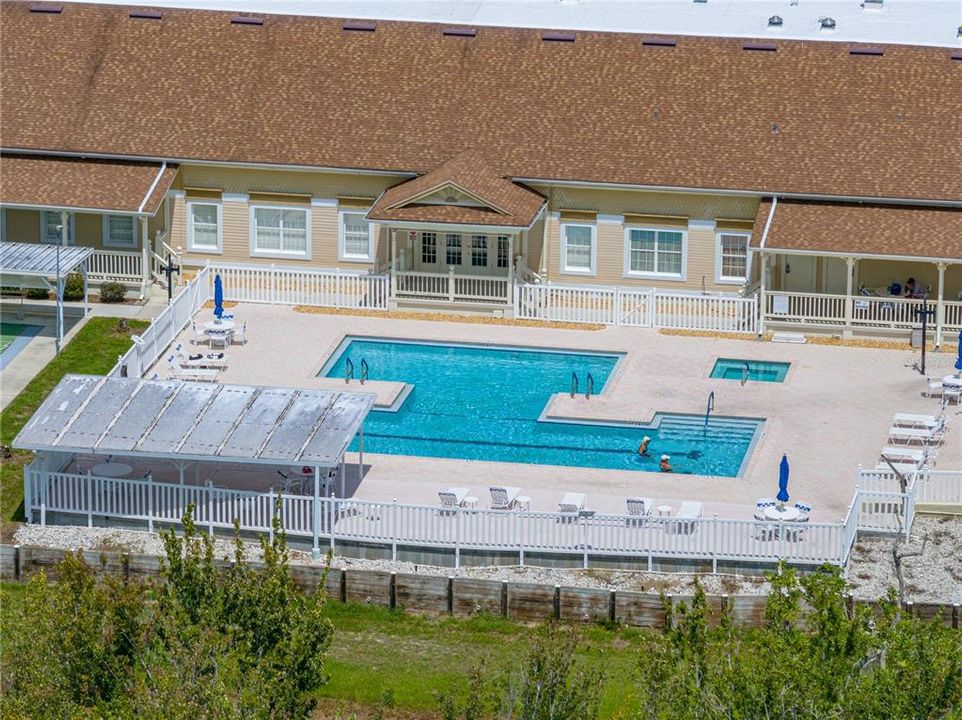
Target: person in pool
point(665, 464)
point(643, 448)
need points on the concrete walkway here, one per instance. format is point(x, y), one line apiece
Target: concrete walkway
point(831, 415)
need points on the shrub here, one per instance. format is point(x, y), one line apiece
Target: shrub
point(36, 294)
point(73, 288)
point(112, 292)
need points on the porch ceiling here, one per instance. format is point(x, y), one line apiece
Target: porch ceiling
point(862, 230)
point(196, 421)
point(62, 183)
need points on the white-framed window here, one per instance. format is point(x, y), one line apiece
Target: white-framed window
point(479, 251)
point(578, 248)
point(654, 252)
point(279, 231)
point(356, 236)
point(504, 247)
point(204, 232)
point(49, 221)
point(452, 246)
point(732, 258)
point(120, 231)
point(429, 248)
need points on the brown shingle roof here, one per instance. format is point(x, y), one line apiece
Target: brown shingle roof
point(860, 229)
point(506, 203)
point(808, 118)
point(61, 182)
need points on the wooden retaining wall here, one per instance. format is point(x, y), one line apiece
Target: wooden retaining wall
point(458, 596)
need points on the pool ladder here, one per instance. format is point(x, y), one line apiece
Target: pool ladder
point(349, 370)
point(745, 373)
point(711, 406)
point(589, 385)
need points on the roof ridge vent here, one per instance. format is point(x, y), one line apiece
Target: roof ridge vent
point(459, 32)
point(865, 50)
point(47, 9)
point(659, 42)
point(359, 26)
point(760, 47)
point(247, 20)
point(145, 15)
point(554, 36)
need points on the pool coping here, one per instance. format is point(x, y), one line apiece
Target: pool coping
point(545, 416)
point(11, 351)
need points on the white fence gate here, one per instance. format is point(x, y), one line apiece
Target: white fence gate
point(651, 307)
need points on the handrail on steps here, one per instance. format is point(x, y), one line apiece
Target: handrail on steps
point(365, 371)
point(711, 406)
point(589, 386)
point(574, 384)
point(348, 370)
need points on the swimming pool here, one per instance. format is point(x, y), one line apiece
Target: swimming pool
point(485, 403)
point(758, 370)
point(13, 338)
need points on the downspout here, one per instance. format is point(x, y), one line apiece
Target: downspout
point(545, 247)
point(762, 268)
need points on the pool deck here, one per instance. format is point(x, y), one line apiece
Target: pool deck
point(831, 414)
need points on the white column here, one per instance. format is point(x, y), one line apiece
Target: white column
point(509, 292)
point(849, 275)
point(392, 290)
point(762, 291)
point(316, 549)
point(145, 257)
point(940, 305)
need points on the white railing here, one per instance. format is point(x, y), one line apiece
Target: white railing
point(894, 313)
point(394, 524)
point(147, 348)
point(811, 308)
point(106, 265)
point(953, 316)
point(941, 487)
point(451, 287)
point(282, 285)
point(648, 307)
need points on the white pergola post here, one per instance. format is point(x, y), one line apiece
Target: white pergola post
point(83, 270)
point(343, 473)
point(316, 548)
point(940, 304)
point(64, 229)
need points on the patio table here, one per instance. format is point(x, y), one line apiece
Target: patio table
point(111, 470)
point(787, 514)
point(222, 326)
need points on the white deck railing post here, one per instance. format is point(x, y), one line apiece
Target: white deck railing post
point(316, 514)
point(90, 500)
point(457, 537)
point(270, 514)
point(210, 507)
point(394, 513)
point(150, 502)
point(714, 543)
point(584, 543)
point(28, 493)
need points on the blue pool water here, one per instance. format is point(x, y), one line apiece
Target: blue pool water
point(758, 370)
point(483, 403)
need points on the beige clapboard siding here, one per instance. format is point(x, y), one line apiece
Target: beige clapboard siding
point(312, 184)
point(536, 244)
point(22, 225)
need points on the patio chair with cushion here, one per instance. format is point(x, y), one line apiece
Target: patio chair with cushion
point(219, 339)
point(504, 497)
point(760, 506)
point(452, 498)
point(638, 508)
point(571, 503)
point(805, 509)
point(764, 531)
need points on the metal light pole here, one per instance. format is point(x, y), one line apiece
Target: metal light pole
point(925, 312)
point(170, 269)
point(58, 292)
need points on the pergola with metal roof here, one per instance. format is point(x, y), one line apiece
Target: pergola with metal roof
point(198, 422)
point(31, 265)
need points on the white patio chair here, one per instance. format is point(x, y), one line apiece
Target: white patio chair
point(760, 506)
point(178, 372)
point(452, 498)
point(951, 394)
point(805, 509)
point(239, 334)
point(764, 531)
point(571, 503)
point(200, 334)
point(504, 497)
point(219, 339)
point(933, 386)
point(638, 508)
point(688, 511)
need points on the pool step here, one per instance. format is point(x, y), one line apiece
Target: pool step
point(789, 337)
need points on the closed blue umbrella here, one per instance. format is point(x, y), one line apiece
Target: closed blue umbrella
point(783, 480)
point(958, 360)
point(218, 296)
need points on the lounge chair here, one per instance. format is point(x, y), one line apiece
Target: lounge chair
point(504, 497)
point(906, 468)
point(200, 360)
point(688, 511)
point(639, 507)
point(177, 372)
point(452, 498)
point(239, 334)
point(903, 454)
point(918, 421)
point(932, 436)
point(571, 503)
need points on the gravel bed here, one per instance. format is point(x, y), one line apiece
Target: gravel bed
point(935, 576)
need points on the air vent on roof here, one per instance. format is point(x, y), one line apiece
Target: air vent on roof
point(558, 37)
point(359, 27)
point(659, 42)
point(760, 47)
point(870, 51)
point(246, 20)
point(775, 21)
point(459, 32)
point(775, 129)
point(826, 23)
point(959, 32)
point(872, 4)
point(49, 9)
point(146, 15)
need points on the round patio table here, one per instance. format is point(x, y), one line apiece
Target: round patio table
point(111, 470)
point(219, 325)
point(786, 513)
point(953, 380)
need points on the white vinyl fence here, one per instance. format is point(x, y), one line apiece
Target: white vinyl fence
point(164, 328)
point(650, 307)
point(392, 525)
point(293, 286)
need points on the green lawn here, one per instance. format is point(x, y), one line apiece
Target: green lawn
point(93, 350)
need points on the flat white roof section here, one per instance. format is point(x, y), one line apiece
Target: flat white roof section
point(36, 260)
point(909, 22)
point(174, 419)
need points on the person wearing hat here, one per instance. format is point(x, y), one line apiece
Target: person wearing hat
point(643, 448)
point(665, 465)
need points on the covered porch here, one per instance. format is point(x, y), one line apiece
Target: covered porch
point(859, 268)
point(116, 210)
